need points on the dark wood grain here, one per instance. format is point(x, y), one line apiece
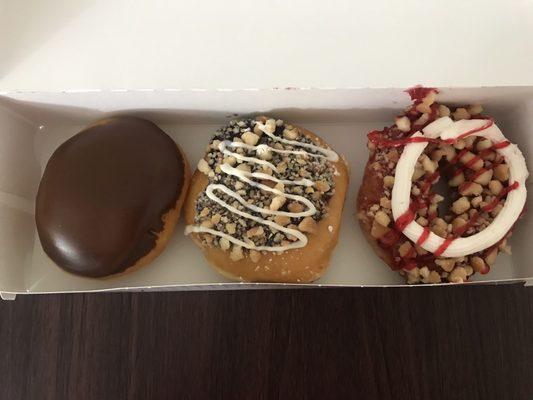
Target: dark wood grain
point(427, 343)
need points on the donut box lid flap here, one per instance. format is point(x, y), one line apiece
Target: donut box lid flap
point(234, 44)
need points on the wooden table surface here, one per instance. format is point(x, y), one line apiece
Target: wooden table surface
point(472, 342)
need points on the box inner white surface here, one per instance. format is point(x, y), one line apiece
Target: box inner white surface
point(34, 124)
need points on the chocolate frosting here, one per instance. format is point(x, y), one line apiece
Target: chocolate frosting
point(103, 194)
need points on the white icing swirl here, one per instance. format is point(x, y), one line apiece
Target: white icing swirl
point(244, 176)
point(447, 129)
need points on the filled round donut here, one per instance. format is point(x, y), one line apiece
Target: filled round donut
point(110, 197)
point(429, 231)
point(265, 202)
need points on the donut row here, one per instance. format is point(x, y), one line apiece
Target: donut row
point(441, 193)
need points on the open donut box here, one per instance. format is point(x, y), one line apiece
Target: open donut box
point(34, 124)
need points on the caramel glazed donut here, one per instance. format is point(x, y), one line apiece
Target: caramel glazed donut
point(265, 203)
point(407, 222)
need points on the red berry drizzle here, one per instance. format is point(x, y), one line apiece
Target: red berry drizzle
point(418, 93)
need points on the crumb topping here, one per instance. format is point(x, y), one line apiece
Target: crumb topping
point(292, 164)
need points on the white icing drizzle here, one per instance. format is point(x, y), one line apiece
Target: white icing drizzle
point(245, 176)
point(264, 148)
point(222, 148)
point(234, 171)
point(302, 239)
point(330, 154)
point(310, 211)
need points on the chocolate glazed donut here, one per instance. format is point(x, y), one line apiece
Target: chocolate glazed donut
point(110, 197)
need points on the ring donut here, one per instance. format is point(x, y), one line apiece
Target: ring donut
point(450, 131)
point(265, 202)
point(401, 206)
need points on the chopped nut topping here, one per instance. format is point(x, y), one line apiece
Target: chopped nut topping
point(428, 165)
point(270, 126)
point(215, 219)
point(437, 198)
point(279, 186)
point(430, 97)
point(467, 157)
point(458, 275)
point(461, 113)
point(420, 251)
point(422, 221)
point(207, 224)
point(224, 244)
point(476, 201)
point(471, 189)
point(433, 277)
point(231, 228)
point(244, 167)
point(491, 256)
point(264, 153)
point(295, 207)
point(495, 187)
point(250, 138)
point(444, 111)
point(203, 166)
point(277, 203)
point(458, 223)
point(417, 173)
point(423, 108)
point(446, 264)
point(385, 202)
point(322, 186)
point(291, 134)
point(484, 178)
point(475, 109)
point(382, 218)
point(477, 263)
point(424, 272)
point(501, 172)
point(236, 253)
point(496, 210)
point(483, 144)
point(403, 124)
point(308, 224)
point(281, 167)
point(255, 256)
point(282, 220)
point(378, 230)
point(405, 249)
point(461, 205)
point(388, 181)
point(413, 276)
point(255, 231)
point(230, 160)
point(422, 120)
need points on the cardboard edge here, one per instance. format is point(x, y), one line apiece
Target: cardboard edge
point(263, 286)
point(245, 89)
point(8, 296)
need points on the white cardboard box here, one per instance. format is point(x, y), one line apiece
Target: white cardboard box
point(34, 124)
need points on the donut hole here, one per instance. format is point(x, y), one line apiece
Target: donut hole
point(449, 194)
point(459, 189)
